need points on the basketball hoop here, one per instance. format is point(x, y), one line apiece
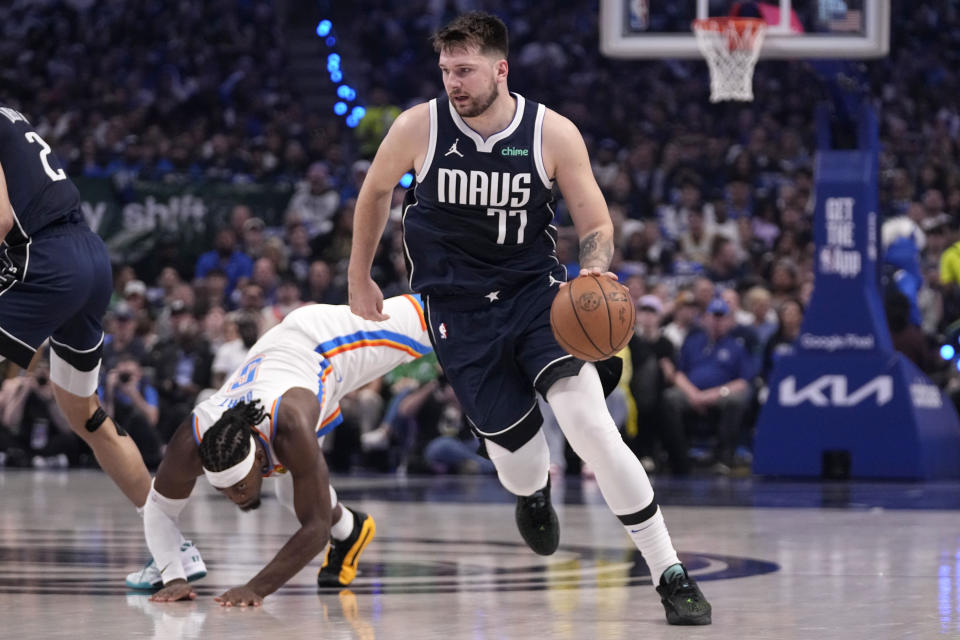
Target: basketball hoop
point(731, 47)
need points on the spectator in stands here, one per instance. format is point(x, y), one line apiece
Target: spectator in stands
point(725, 266)
point(228, 257)
point(652, 369)
point(686, 311)
point(287, 299)
point(253, 237)
point(40, 434)
point(265, 276)
point(300, 253)
point(695, 243)
point(711, 386)
point(908, 338)
point(783, 341)
point(132, 401)
point(181, 364)
point(240, 332)
point(320, 286)
point(315, 202)
point(122, 339)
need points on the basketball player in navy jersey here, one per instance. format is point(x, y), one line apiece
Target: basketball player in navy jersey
point(481, 249)
point(55, 282)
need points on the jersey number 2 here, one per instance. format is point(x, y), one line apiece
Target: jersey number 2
point(59, 174)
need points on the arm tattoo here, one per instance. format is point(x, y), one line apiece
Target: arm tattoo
point(596, 252)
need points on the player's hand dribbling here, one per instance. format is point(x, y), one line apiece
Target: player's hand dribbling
point(176, 590)
point(366, 300)
point(239, 597)
point(593, 272)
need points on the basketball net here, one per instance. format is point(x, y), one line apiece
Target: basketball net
point(731, 47)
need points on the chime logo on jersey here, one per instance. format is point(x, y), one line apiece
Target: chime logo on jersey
point(482, 189)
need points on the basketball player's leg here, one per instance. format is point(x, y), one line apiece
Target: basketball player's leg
point(475, 347)
point(75, 367)
point(578, 402)
point(350, 533)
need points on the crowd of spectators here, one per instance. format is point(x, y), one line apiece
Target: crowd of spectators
point(712, 205)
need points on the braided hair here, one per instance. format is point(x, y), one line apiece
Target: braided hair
point(226, 442)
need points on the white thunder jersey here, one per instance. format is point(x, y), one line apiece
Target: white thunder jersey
point(323, 348)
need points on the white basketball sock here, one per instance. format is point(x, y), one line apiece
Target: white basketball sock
point(344, 526)
point(653, 540)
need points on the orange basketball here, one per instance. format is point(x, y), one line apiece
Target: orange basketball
point(593, 317)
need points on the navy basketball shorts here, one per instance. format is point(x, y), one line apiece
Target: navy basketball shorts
point(62, 295)
point(497, 355)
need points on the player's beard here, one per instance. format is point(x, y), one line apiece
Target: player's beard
point(476, 106)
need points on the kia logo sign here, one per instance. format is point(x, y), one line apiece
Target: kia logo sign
point(833, 391)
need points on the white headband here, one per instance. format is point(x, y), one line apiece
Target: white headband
point(232, 475)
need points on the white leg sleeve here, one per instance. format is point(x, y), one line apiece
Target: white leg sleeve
point(582, 413)
point(525, 470)
point(160, 516)
point(79, 383)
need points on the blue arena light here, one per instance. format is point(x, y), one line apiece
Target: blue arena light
point(330, 41)
point(358, 112)
point(958, 365)
point(346, 92)
point(323, 29)
point(406, 180)
point(336, 76)
point(340, 108)
point(352, 122)
point(947, 352)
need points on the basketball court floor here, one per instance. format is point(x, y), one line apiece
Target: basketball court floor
point(777, 560)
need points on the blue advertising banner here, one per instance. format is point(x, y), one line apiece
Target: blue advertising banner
point(845, 393)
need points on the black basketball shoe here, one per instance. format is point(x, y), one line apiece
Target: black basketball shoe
point(340, 564)
point(683, 600)
point(538, 522)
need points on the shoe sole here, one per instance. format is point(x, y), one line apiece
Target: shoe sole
point(675, 619)
point(348, 571)
point(149, 586)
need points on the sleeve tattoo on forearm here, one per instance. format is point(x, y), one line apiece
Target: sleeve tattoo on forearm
point(595, 252)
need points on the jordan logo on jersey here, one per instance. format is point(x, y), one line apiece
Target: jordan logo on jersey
point(453, 149)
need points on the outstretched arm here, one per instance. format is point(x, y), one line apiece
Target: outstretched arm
point(566, 154)
point(297, 449)
point(397, 154)
point(171, 489)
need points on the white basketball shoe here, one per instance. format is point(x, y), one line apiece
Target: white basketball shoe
point(148, 578)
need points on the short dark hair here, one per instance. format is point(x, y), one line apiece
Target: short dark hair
point(226, 443)
point(476, 28)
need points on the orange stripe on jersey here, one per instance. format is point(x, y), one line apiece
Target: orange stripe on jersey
point(273, 418)
point(416, 305)
point(196, 429)
point(372, 343)
point(333, 416)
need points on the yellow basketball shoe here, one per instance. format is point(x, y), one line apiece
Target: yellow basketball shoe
point(340, 564)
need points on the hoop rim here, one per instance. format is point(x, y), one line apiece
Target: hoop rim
point(719, 23)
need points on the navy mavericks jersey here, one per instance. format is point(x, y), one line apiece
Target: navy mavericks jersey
point(479, 217)
point(39, 189)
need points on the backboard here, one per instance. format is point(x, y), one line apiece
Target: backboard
point(836, 29)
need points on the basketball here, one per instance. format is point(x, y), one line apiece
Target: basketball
point(593, 317)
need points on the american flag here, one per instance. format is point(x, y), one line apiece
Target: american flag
point(852, 20)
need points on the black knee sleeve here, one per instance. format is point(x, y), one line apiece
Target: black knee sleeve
point(97, 419)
